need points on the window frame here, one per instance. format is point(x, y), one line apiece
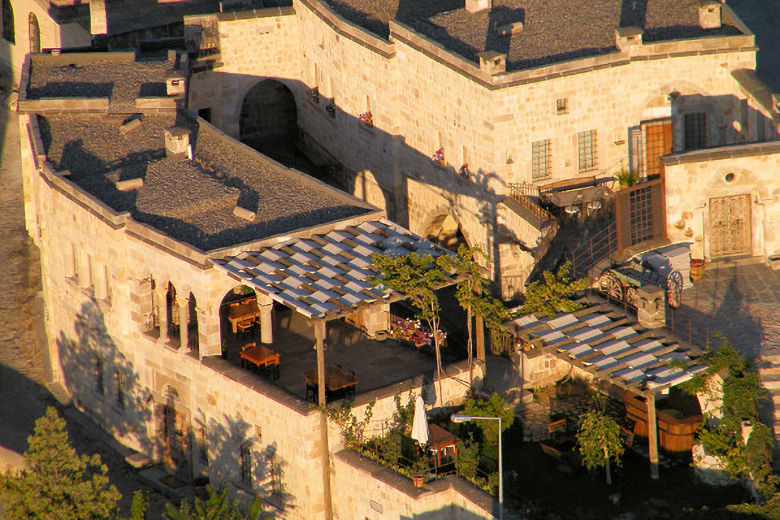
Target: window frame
point(587, 150)
point(541, 159)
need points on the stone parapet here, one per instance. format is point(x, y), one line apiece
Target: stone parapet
point(58, 105)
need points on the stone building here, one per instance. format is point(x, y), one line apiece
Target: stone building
point(154, 228)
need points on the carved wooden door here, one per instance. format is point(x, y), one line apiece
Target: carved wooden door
point(658, 142)
point(730, 225)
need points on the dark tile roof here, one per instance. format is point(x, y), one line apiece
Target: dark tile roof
point(561, 30)
point(120, 81)
point(554, 30)
point(189, 200)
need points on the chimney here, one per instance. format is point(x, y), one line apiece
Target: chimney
point(175, 83)
point(98, 19)
point(710, 15)
point(492, 62)
point(510, 29)
point(177, 141)
point(627, 38)
point(475, 6)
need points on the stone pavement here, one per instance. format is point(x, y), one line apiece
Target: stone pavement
point(739, 299)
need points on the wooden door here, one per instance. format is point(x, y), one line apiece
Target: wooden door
point(174, 440)
point(730, 225)
point(658, 142)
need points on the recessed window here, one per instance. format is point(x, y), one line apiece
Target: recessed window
point(562, 106)
point(695, 131)
point(8, 22)
point(730, 177)
point(586, 149)
point(246, 464)
point(540, 159)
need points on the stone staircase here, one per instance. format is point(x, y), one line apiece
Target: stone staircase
point(769, 375)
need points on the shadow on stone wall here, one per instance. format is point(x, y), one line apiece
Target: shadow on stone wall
point(451, 511)
point(103, 380)
point(226, 438)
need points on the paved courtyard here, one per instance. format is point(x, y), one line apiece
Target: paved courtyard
point(740, 300)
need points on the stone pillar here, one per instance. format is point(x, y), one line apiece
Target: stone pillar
point(184, 321)
point(266, 305)
point(652, 436)
point(160, 294)
point(319, 335)
point(98, 19)
point(651, 306)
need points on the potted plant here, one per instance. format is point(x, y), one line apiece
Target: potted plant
point(626, 178)
point(419, 468)
point(697, 269)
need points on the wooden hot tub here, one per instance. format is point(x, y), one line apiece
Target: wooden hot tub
point(674, 435)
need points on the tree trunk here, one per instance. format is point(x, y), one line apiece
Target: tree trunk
point(609, 473)
point(471, 355)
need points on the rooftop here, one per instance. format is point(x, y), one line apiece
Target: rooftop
point(561, 30)
point(190, 200)
point(554, 30)
point(120, 77)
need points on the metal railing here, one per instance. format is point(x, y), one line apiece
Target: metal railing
point(597, 247)
point(527, 195)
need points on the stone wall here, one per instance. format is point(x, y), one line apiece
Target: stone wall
point(364, 489)
point(694, 178)
point(538, 370)
point(52, 35)
point(423, 98)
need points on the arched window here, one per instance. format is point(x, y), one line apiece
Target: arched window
point(8, 21)
point(35, 34)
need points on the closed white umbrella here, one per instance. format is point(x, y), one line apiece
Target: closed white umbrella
point(420, 423)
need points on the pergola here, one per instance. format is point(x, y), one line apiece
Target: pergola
point(325, 276)
point(615, 350)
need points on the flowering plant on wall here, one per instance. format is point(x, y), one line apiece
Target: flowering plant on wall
point(464, 170)
point(438, 156)
point(413, 331)
point(367, 118)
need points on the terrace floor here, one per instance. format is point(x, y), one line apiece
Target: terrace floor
point(376, 363)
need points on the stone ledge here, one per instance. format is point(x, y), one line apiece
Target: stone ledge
point(350, 30)
point(269, 12)
point(723, 152)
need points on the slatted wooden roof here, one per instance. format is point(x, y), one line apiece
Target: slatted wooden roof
point(611, 348)
point(327, 275)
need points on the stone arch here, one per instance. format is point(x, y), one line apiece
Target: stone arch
point(268, 120)
point(444, 229)
point(34, 33)
point(230, 334)
point(9, 33)
point(148, 308)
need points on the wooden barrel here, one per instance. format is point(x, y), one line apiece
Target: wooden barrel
point(697, 270)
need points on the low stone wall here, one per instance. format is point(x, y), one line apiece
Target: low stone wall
point(365, 489)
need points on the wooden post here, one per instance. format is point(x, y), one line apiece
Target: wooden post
point(319, 335)
point(652, 436)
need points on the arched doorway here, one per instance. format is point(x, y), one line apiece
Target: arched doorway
point(9, 34)
point(269, 120)
point(445, 231)
point(238, 320)
point(34, 34)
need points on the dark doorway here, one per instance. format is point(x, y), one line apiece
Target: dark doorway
point(268, 121)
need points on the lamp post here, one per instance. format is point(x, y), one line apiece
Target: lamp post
point(461, 418)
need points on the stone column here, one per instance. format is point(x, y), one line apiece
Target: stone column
point(160, 294)
point(266, 305)
point(652, 436)
point(651, 306)
point(184, 321)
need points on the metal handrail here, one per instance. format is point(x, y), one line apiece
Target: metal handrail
point(523, 193)
point(598, 247)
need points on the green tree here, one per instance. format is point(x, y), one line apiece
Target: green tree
point(472, 295)
point(58, 483)
point(217, 506)
point(417, 277)
point(496, 406)
point(553, 293)
point(599, 439)
point(139, 505)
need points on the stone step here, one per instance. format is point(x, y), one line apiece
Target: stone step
point(773, 385)
point(773, 371)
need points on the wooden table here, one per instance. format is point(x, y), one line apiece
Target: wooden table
point(338, 382)
point(260, 356)
point(242, 315)
point(441, 440)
